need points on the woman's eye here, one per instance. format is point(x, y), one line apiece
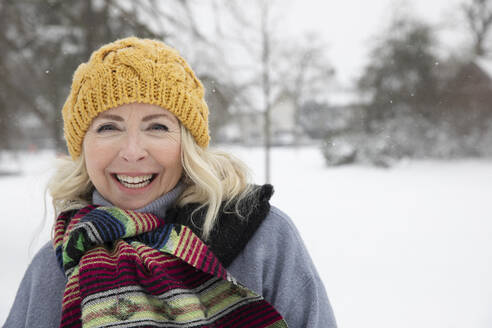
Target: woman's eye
point(106, 127)
point(159, 127)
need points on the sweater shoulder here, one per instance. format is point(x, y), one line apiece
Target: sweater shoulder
point(44, 267)
point(38, 299)
point(276, 264)
point(280, 219)
point(277, 248)
point(46, 254)
point(278, 228)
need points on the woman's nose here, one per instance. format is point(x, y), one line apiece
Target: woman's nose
point(133, 149)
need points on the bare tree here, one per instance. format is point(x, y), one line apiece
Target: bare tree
point(273, 66)
point(306, 72)
point(266, 41)
point(249, 29)
point(478, 14)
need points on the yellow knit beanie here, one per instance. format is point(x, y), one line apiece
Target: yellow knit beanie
point(134, 70)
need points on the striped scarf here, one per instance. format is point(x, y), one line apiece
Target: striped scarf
point(130, 269)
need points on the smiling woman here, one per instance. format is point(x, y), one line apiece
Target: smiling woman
point(153, 228)
point(132, 154)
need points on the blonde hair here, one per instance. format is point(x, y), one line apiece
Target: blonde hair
point(211, 178)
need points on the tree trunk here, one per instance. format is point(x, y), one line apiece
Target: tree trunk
point(266, 89)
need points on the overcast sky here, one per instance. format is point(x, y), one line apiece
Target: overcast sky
point(349, 25)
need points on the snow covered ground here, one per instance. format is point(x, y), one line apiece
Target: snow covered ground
point(406, 247)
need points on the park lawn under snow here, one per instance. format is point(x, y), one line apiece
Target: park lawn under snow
point(403, 247)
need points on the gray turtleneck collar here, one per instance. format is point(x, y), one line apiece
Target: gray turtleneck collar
point(157, 207)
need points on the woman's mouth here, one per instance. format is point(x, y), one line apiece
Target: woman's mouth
point(135, 182)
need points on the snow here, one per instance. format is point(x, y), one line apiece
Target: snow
point(403, 247)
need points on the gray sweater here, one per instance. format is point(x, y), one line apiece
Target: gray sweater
point(274, 263)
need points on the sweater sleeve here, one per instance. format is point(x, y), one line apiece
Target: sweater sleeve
point(276, 264)
point(39, 297)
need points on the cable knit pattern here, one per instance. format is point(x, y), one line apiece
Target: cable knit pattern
point(134, 70)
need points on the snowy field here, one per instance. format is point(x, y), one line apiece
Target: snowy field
point(406, 247)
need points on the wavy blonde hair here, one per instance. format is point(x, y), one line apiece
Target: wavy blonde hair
point(211, 178)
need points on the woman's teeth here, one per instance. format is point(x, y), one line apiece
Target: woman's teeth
point(134, 182)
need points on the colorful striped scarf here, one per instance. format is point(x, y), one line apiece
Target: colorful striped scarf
point(129, 269)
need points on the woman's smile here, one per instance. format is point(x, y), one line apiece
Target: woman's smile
point(134, 180)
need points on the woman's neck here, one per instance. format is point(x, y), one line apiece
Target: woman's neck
point(157, 207)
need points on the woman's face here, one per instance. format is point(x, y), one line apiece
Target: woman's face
point(132, 153)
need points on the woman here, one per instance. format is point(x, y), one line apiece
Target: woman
point(153, 228)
